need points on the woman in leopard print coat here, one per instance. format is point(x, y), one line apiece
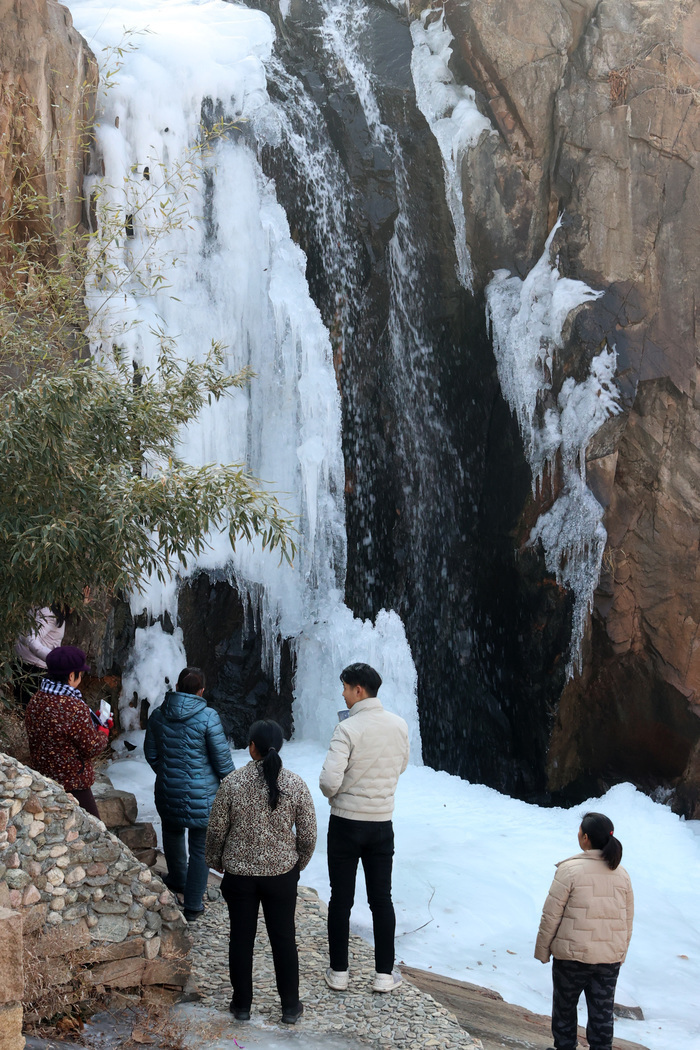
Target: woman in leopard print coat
point(262, 833)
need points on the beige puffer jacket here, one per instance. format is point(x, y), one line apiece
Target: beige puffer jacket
point(367, 755)
point(588, 914)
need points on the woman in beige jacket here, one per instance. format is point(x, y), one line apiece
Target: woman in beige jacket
point(586, 926)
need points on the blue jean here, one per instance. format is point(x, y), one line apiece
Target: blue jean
point(372, 842)
point(189, 876)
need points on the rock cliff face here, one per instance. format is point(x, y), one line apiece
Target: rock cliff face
point(596, 105)
point(596, 110)
point(48, 76)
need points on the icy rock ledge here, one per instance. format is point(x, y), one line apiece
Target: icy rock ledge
point(527, 318)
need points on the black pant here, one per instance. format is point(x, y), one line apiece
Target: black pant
point(372, 842)
point(597, 981)
point(86, 799)
point(278, 896)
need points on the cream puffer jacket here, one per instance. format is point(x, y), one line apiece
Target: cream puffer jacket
point(367, 755)
point(588, 914)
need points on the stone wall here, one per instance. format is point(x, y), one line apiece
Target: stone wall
point(11, 980)
point(94, 918)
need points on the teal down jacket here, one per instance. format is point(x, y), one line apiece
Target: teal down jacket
point(186, 746)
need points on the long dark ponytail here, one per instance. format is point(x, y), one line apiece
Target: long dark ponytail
point(268, 739)
point(599, 829)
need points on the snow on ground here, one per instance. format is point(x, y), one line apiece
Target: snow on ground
point(473, 867)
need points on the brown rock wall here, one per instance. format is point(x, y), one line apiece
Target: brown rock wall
point(597, 109)
point(48, 76)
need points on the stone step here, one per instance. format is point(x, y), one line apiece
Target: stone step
point(116, 808)
point(486, 1016)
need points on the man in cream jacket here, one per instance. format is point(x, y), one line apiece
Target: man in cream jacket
point(367, 755)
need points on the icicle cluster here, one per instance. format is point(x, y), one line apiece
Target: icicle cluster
point(452, 114)
point(195, 248)
point(527, 318)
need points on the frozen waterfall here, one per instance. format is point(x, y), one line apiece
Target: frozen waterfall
point(199, 250)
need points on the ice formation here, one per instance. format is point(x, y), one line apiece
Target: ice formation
point(198, 248)
point(527, 318)
point(452, 114)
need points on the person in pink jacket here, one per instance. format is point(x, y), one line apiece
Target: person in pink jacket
point(586, 927)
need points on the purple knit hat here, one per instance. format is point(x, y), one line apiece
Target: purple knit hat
point(66, 658)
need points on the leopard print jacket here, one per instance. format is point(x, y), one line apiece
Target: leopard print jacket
point(246, 837)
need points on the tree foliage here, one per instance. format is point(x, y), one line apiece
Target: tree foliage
point(92, 491)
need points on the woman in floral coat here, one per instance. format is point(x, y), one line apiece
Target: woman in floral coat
point(63, 733)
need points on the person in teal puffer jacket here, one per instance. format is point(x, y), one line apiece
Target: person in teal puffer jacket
point(186, 747)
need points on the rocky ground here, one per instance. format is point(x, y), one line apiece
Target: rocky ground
point(407, 1019)
point(427, 1011)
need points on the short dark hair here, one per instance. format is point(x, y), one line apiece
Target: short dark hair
point(363, 675)
point(191, 680)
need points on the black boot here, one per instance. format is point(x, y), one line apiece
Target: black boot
point(291, 1014)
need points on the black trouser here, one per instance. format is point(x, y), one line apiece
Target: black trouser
point(372, 842)
point(597, 981)
point(86, 799)
point(278, 896)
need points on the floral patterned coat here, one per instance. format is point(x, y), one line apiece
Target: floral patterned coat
point(62, 739)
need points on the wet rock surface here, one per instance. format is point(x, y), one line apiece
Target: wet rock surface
point(435, 474)
point(596, 107)
point(221, 639)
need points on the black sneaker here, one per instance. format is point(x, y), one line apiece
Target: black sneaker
point(239, 1012)
point(192, 916)
point(291, 1014)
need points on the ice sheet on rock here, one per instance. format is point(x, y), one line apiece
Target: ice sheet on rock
point(527, 318)
point(221, 267)
point(234, 275)
point(453, 116)
point(338, 641)
point(154, 664)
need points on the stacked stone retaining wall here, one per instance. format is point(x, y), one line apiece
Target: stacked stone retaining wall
point(94, 918)
point(11, 980)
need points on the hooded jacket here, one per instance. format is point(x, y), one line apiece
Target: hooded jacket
point(186, 747)
point(368, 753)
point(588, 914)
